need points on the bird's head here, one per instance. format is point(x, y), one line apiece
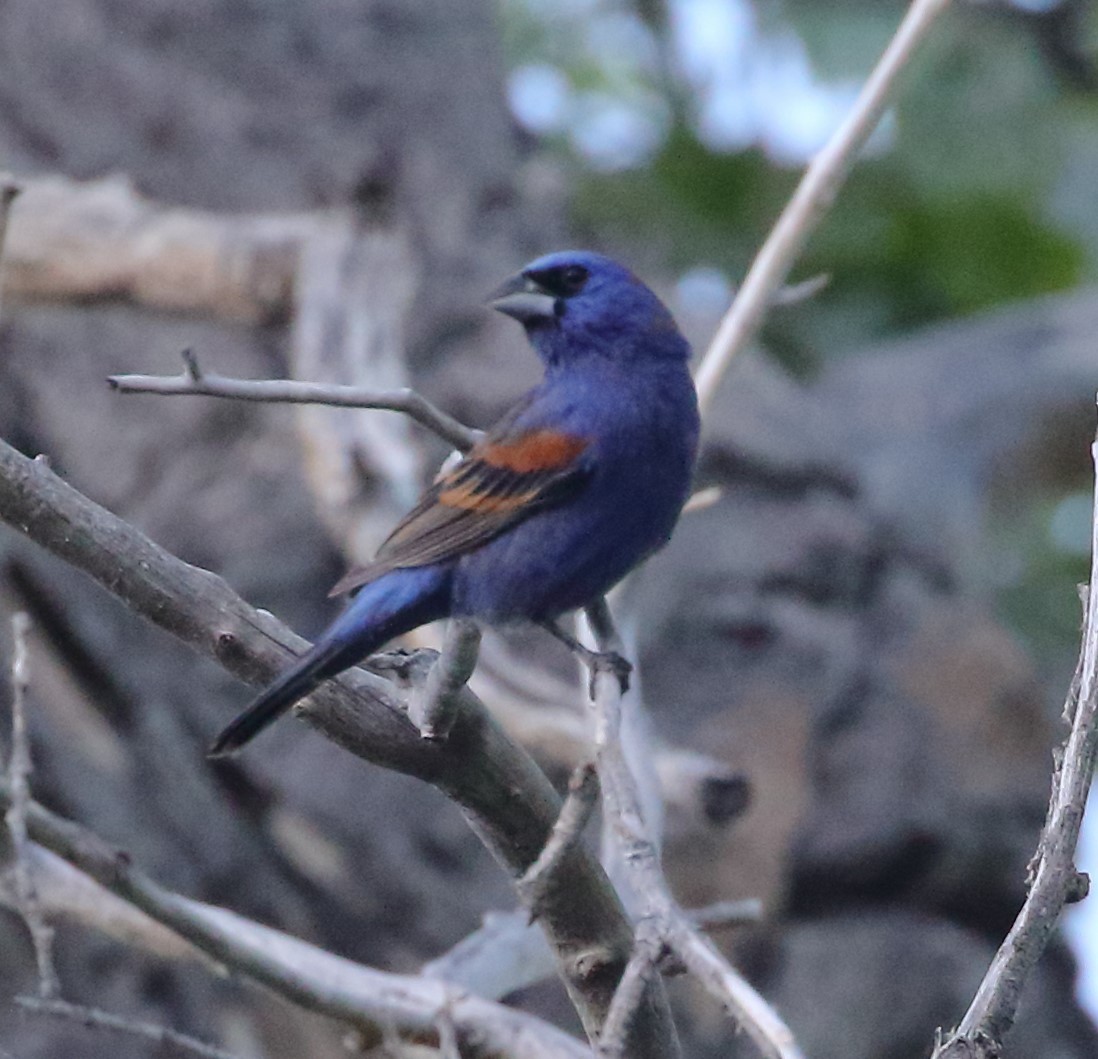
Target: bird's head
point(576, 304)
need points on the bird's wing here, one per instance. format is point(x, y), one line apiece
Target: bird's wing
point(508, 476)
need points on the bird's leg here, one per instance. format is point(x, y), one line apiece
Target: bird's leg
point(596, 661)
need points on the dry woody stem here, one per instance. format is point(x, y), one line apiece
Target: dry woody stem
point(583, 794)
point(433, 707)
point(194, 382)
point(1054, 880)
point(664, 929)
point(811, 201)
point(19, 772)
point(371, 1001)
point(95, 1018)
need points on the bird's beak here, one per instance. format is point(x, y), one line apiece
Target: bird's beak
point(520, 297)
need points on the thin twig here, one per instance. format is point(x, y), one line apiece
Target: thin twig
point(703, 499)
point(1054, 880)
point(433, 707)
point(811, 201)
point(19, 772)
point(642, 967)
point(9, 189)
point(724, 915)
point(196, 382)
point(798, 293)
point(665, 929)
point(583, 793)
point(96, 1018)
point(66, 893)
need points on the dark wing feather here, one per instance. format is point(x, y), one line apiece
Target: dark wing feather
point(499, 483)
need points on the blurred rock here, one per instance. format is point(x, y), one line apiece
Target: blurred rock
point(823, 628)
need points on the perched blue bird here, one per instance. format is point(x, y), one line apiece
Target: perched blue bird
point(579, 482)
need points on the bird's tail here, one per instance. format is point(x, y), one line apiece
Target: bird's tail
point(397, 602)
point(275, 700)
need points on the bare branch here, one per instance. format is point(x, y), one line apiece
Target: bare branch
point(95, 1018)
point(811, 201)
point(434, 705)
point(9, 189)
point(194, 382)
point(366, 999)
point(19, 771)
point(65, 893)
point(796, 293)
point(664, 928)
point(724, 915)
point(1054, 880)
point(449, 1047)
point(583, 793)
point(641, 969)
point(190, 364)
point(702, 499)
point(509, 800)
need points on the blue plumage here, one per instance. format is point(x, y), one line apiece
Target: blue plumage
point(582, 480)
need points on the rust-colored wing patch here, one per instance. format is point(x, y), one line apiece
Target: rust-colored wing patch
point(540, 450)
point(502, 481)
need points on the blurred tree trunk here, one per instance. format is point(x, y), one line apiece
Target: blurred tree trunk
point(397, 111)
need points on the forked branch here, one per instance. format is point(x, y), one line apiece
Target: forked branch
point(195, 382)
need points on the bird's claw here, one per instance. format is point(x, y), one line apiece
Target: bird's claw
point(607, 662)
point(596, 661)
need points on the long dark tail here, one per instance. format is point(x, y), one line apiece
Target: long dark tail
point(394, 604)
point(322, 661)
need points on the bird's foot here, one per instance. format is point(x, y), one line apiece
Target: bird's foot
point(607, 662)
point(596, 661)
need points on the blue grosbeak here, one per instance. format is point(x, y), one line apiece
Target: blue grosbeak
point(578, 483)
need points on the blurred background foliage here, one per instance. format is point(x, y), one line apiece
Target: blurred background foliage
point(685, 124)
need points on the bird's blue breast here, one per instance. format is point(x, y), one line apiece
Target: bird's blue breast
point(642, 429)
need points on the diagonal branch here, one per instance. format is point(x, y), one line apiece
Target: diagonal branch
point(583, 793)
point(506, 797)
point(160, 1036)
point(1054, 880)
point(811, 201)
point(433, 707)
point(664, 929)
point(368, 999)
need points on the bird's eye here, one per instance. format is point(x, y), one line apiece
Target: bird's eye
point(573, 278)
point(563, 281)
